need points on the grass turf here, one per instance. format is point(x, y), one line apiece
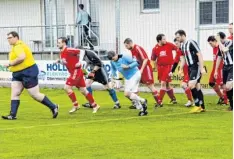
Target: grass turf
point(166, 133)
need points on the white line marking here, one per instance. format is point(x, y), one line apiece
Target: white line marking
point(94, 121)
point(106, 120)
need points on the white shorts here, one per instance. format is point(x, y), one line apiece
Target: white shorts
point(132, 84)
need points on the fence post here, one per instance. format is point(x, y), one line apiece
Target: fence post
point(117, 25)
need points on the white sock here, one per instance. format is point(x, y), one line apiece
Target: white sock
point(138, 100)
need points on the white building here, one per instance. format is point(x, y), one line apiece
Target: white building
point(140, 20)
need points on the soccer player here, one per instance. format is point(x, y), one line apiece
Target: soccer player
point(25, 75)
point(217, 83)
point(184, 83)
point(226, 52)
point(163, 57)
point(145, 67)
point(98, 74)
point(193, 57)
point(230, 29)
point(128, 67)
point(69, 58)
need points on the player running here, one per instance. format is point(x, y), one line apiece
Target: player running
point(98, 74)
point(25, 75)
point(193, 57)
point(217, 83)
point(128, 67)
point(185, 81)
point(69, 58)
point(226, 52)
point(145, 67)
point(163, 57)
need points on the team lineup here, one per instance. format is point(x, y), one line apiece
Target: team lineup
point(136, 69)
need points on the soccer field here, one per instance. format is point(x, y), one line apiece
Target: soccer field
point(169, 132)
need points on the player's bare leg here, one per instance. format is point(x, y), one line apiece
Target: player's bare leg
point(188, 94)
point(154, 93)
point(16, 90)
point(72, 96)
point(38, 96)
point(90, 98)
point(170, 93)
point(229, 88)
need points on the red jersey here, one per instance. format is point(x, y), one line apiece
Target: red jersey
point(164, 54)
point(70, 55)
point(177, 60)
point(139, 53)
point(215, 56)
point(230, 37)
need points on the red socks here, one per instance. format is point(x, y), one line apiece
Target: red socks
point(218, 91)
point(170, 93)
point(89, 97)
point(72, 96)
point(188, 93)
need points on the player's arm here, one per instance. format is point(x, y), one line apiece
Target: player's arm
point(113, 71)
point(176, 61)
point(182, 63)
point(19, 51)
point(194, 47)
point(154, 59)
point(132, 62)
point(218, 62)
point(143, 57)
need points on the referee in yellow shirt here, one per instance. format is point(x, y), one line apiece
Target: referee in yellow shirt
point(24, 75)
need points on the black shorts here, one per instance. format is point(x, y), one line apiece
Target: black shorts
point(101, 76)
point(227, 74)
point(194, 74)
point(28, 77)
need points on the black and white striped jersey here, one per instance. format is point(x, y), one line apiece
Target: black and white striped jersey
point(227, 56)
point(190, 49)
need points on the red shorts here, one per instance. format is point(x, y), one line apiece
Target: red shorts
point(219, 80)
point(76, 79)
point(163, 73)
point(147, 76)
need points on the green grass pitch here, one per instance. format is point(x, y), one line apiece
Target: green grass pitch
point(166, 133)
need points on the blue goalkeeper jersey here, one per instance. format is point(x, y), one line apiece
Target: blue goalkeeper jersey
point(125, 60)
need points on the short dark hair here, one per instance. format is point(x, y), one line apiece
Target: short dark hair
point(159, 37)
point(211, 38)
point(127, 41)
point(14, 34)
point(222, 35)
point(110, 54)
point(81, 6)
point(64, 40)
point(180, 32)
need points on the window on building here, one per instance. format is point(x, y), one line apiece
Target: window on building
point(54, 16)
point(214, 12)
point(150, 5)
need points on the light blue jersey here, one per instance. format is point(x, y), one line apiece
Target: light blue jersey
point(125, 60)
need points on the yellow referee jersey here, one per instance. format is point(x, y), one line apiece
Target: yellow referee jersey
point(17, 49)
